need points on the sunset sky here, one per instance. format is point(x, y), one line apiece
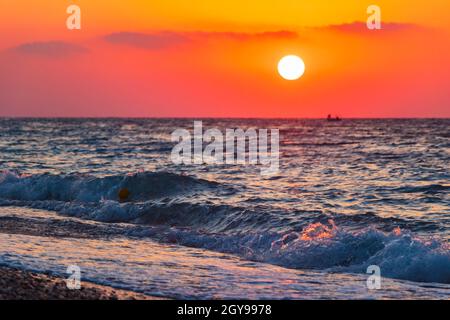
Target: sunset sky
point(179, 58)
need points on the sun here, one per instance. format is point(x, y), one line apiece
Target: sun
point(291, 67)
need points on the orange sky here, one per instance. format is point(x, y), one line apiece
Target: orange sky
point(197, 58)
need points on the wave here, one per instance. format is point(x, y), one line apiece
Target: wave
point(172, 209)
point(428, 189)
point(213, 218)
point(320, 144)
point(84, 188)
point(317, 243)
point(399, 255)
point(327, 247)
point(293, 239)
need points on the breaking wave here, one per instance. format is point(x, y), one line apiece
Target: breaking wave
point(399, 255)
point(295, 239)
point(84, 188)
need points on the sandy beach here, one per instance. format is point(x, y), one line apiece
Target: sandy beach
point(16, 284)
point(21, 285)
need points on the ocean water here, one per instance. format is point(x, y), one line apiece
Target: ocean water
point(348, 195)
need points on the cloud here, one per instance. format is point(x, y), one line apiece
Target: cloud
point(52, 49)
point(359, 27)
point(147, 41)
point(242, 36)
point(161, 40)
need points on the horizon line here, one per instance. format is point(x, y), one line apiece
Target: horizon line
point(212, 118)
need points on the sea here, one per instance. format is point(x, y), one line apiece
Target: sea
point(350, 197)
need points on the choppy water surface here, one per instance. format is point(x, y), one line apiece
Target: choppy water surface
point(348, 195)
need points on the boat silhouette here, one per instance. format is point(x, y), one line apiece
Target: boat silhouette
point(331, 119)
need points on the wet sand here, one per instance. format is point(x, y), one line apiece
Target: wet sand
point(17, 284)
point(21, 285)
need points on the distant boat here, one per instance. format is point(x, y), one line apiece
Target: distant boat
point(331, 119)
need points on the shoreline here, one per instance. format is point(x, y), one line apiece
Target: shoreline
point(16, 284)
